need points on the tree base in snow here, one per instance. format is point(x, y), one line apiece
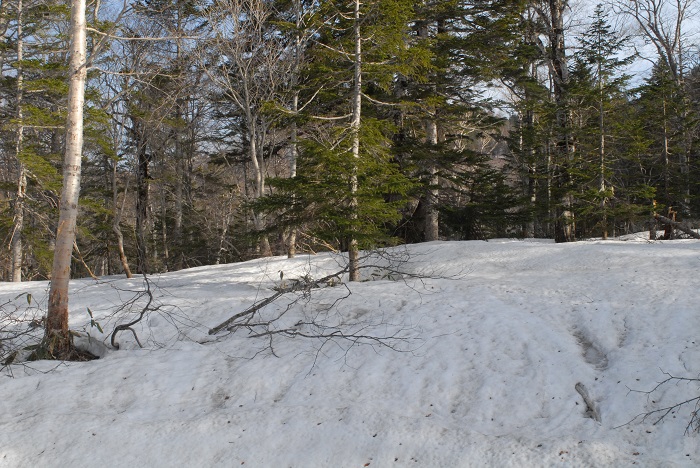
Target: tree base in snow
point(59, 347)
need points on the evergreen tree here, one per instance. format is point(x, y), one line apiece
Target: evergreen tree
point(597, 92)
point(531, 132)
point(661, 111)
point(347, 188)
point(35, 90)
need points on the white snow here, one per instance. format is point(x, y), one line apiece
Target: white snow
point(491, 341)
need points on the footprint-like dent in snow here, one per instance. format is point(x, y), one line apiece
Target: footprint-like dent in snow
point(592, 354)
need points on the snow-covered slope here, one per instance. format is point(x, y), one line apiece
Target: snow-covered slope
point(490, 341)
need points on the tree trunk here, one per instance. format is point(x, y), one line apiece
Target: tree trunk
point(225, 220)
point(353, 248)
point(116, 228)
point(531, 172)
point(564, 231)
point(257, 158)
point(142, 196)
point(177, 240)
point(57, 332)
point(677, 225)
point(666, 154)
point(431, 225)
point(294, 153)
point(180, 168)
point(120, 248)
point(163, 230)
point(16, 243)
point(602, 187)
point(293, 156)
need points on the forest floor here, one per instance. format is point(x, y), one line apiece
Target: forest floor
point(469, 354)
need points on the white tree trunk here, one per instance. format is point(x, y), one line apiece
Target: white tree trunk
point(16, 243)
point(602, 188)
point(57, 316)
point(293, 156)
point(353, 248)
point(431, 226)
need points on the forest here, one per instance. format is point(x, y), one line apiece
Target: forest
point(217, 131)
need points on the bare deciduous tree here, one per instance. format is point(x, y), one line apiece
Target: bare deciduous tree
point(245, 59)
point(663, 23)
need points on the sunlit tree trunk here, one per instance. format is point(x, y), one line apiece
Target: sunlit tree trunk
point(257, 158)
point(431, 227)
point(16, 243)
point(353, 248)
point(57, 316)
point(294, 155)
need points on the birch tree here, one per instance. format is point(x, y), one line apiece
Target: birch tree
point(57, 333)
point(16, 242)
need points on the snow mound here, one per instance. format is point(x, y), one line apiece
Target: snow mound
point(473, 354)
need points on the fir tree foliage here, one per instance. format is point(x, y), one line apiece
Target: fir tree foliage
point(597, 94)
point(334, 195)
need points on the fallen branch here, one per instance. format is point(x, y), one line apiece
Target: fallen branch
point(591, 408)
point(304, 284)
point(291, 312)
point(677, 225)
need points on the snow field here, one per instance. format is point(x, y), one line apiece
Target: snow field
point(497, 335)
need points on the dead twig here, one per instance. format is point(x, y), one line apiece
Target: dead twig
point(660, 414)
point(303, 284)
point(128, 326)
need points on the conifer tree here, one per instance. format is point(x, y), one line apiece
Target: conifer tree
point(528, 139)
point(469, 45)
point(35, 89)
point(661, 110)
point(347, 187)
point(597, 91)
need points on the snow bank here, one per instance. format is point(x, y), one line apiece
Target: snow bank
point(494, 336)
